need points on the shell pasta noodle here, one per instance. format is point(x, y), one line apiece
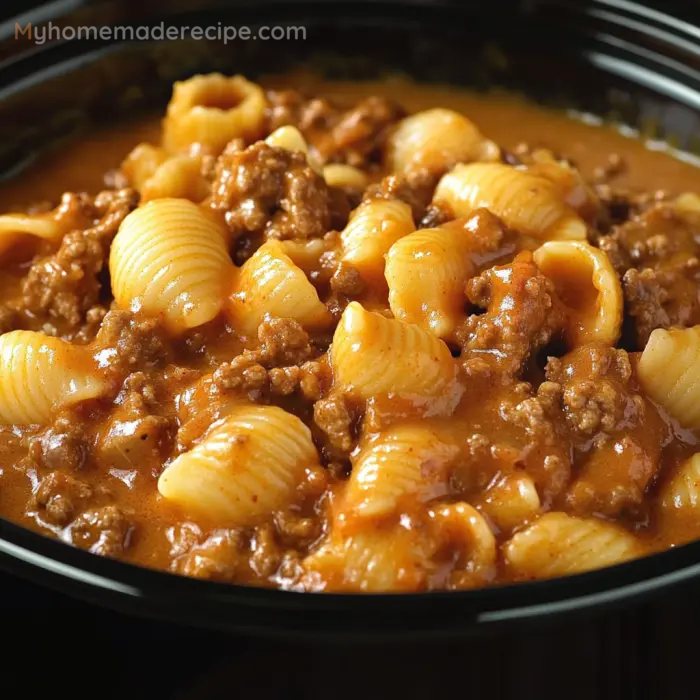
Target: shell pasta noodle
point(682, 493)
point(669, 371)
point(436, 140)
point(589, 287)
point(357, 338)
point(271, 284)
point(373, 228)
point(426, 273)
point(559, 545)
point(43, 374)
point(245, 468)
point(525, 202)
point(158, 175)
point(373, 355)
point(404, 462)
point(169, 259)
point(210, 110)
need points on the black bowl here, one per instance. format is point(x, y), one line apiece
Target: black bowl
point(614, 58)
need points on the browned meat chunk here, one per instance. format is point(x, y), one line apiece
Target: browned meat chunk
point(60, 290)
point(522, 314)
point(271, 191)
point(106, 531)
point(61, 497)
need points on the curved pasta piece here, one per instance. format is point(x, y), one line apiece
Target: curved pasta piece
point(405, 462)
point(246, 467)
point(588, 286)
point(269, 283)
point(345, 177)
point(140, 164)
point(669, 372)
point(169, 259)
point(371, 561)
point(558, 545)
point(374, 355)
point(435, 140)
point(291, 139)
point(211, 110)
point(462, 525)
point(568, 181)
point(524, 202)
point(682, 493)
point(426, 272)
point(157, 175)
point(41, 374)
point(512, 501)
point(371, 231)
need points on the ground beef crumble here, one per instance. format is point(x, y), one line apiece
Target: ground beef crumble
point(106, 531)
point(657, 258)
point(61, 496)
point(522, 314)
point(62, 292)
point(271, 192)
point(354, 136)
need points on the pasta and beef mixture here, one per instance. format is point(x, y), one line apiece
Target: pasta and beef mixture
point(349, 345)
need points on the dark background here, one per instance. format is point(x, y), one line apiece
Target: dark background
point(56, 647)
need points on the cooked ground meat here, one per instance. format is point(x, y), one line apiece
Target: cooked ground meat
point(271, 191)
point(416, 189)
point(359, 134)
point(61, 289)
point(128, 341)
point(243, 373)
point(283, 342)
point(522, 314)
point(603, 409)
point(106, 531)
point(354, 136)
point(656, 255)
point(61, 497)
point(266, 554)
point(65, 445)
point(135, 438)
point(334, 416)
point(220, 557)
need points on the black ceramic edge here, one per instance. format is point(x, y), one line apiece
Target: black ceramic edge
point(189, 601)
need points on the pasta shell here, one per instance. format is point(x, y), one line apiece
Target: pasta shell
point(669, 372)
point(270, 284)
point(524, 202)
point(289, 138)
point(373, 228)
point(558, 545)
point(407, 461)
point(14, 226)
point(211, 110)
point(142, 163)
point(511, 501)
point(374, 355)
point(589, 287)
point(426, 272)
point(246, 467)
point(682, 493)
point(41, 374)
point(462, 526)
point(371, 561)
point(170, 260)
point(345, 177)
point(179, 177)
point(435, 140)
